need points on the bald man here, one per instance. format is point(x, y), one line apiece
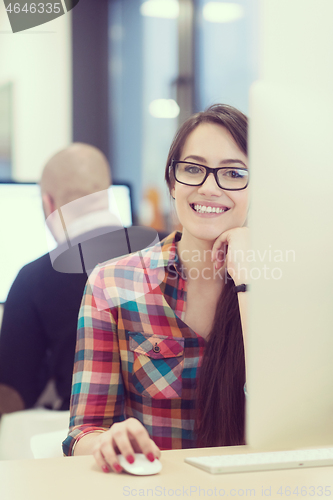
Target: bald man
point(38, 333)
point(75, 180)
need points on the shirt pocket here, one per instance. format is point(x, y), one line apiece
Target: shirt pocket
point(157, 365)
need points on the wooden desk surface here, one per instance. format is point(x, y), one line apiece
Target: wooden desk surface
point(79, 478)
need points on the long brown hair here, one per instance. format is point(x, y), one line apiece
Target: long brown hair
point(220, 406)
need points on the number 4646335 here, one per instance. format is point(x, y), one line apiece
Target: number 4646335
point(40, 7)
point(303, 491)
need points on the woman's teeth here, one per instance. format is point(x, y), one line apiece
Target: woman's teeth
point(202, 209)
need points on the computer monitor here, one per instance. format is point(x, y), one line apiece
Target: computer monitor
point(290, 339)
point(24, 235)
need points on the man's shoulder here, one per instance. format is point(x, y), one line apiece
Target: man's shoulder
point(27, 282)
point(39, 265)
point(41, 274)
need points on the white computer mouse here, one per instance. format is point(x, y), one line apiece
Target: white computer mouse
point(141, 465)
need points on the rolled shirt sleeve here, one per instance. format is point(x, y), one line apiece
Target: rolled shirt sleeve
point(97, 399)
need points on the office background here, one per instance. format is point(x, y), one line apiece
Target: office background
point(122, 75)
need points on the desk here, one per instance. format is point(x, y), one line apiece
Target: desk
point(78, 478)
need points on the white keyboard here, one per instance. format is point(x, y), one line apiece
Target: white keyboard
point(272, 460)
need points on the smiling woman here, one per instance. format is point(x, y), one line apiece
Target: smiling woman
point(212, 145)
point(160, 354)
point(217, 138)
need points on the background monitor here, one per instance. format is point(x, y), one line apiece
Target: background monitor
point(24, 235)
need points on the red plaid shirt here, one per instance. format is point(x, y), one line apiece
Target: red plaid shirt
point(135, 356)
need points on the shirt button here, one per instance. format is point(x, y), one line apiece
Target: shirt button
point(156, 348)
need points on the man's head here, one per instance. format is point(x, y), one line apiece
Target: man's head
point(75, 173)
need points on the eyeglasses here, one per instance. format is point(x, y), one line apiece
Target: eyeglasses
point(192, 174)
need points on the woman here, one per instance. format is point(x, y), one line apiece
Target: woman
point(160, 356)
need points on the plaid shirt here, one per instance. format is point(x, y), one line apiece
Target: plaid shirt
point(135, 356)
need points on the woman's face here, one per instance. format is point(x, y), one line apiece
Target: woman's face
point(210, 144)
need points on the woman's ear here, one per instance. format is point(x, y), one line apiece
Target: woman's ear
point(172, 192)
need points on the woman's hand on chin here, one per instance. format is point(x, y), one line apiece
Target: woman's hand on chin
point(231, 249)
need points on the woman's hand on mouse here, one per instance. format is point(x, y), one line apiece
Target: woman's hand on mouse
point(230, 250)
point(127, 437)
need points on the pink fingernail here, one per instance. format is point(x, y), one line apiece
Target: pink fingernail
point(117, 467)
point(105, 468)
point(151, 457)
point(130, 459)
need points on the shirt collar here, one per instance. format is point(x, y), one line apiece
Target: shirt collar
point(165, 254)
point(89, 222)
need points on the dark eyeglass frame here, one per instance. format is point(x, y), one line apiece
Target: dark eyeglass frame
point(209, 170)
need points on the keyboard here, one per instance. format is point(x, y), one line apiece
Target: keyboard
point(271, 460)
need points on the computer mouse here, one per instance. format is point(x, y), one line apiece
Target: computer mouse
point(141, 465)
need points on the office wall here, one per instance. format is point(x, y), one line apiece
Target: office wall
point(38, 63)
point(90, 74)
point(227, 56)
point(126, 89)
